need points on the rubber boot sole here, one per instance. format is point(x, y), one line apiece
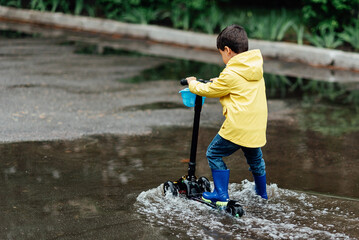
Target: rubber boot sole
point(217, 203)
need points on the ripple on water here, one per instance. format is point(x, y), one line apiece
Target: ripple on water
point(287, 215)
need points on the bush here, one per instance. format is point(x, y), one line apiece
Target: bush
point(327, 37)
point(323, 19)
point(337, 13)
point(351, 35)
point(271, 26)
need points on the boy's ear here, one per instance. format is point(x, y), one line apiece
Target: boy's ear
point(227, 50)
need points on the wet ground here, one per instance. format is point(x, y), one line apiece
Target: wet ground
point(109, 187)
point(88, 139)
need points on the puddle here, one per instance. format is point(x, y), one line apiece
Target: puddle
point(110, 187)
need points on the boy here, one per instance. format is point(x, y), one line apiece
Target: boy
point(241, 90)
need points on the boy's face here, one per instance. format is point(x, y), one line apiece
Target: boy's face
point(227, 54)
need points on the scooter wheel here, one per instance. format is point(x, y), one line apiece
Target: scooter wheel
point(204, 184)
point(234, 208)
point(192, 189)
point(170, 187)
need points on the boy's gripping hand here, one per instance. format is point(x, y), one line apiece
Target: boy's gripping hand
point(190, 79)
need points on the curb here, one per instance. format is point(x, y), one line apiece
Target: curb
point(279, 50)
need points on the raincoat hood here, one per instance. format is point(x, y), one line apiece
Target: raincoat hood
point(249, 65)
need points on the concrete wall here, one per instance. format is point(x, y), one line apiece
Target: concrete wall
point(279, 50)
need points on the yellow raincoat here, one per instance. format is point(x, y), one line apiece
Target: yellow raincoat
point(241, 90)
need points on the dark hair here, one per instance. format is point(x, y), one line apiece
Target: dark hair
point(234, 37)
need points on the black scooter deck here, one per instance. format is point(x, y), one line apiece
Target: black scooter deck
point(232, 207)
point(212, 205)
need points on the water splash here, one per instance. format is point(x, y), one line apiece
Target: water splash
point(286, 215)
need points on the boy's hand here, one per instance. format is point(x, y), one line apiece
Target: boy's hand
point(189, 79)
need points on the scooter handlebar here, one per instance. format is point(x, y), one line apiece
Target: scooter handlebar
point(184, 81)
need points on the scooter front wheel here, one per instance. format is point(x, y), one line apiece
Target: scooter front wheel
point(234, 208)
point(170, 187)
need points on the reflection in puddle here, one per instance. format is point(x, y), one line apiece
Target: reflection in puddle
point(153, 106)
point(310, 91)
point(110, 187)
point(177, 69)
point(329, 120)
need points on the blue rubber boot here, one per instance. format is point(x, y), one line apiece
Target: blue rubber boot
point(261, 186)
point(220, 192)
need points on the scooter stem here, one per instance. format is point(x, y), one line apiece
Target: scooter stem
point(197, 114)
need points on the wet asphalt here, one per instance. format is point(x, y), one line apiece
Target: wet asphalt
point(47, 92)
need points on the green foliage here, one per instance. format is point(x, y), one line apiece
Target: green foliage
point(78, 7)
point(270, 27)
point(210, 21)
point(299, 30)
point(186, 14)
point(40, 5)
point(55, 5)
point(327, 37)
point(337, 13)
point(140, 15)
point(323, 18)
point(351, 35)
point(180, 16)
point(110, 9)
point(11, 3)
point(238, 17)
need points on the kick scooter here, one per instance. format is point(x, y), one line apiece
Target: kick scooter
point(189, 186)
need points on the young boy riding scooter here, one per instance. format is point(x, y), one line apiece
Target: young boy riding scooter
point(241, 90)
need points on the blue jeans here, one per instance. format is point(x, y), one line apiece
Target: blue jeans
point(220, 147)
